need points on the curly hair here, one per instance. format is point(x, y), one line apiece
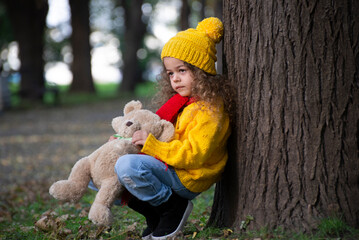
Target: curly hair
point(206, 87)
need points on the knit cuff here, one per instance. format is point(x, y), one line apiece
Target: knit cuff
point(154, 147)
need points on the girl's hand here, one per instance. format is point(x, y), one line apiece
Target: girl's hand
point(139, 137)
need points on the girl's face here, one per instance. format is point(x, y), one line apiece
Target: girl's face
point(180, 75)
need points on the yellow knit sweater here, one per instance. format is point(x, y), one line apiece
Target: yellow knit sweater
point(198, 152)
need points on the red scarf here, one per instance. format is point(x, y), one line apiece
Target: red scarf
point(173, 106)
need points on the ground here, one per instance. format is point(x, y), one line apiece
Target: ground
point(41, 145)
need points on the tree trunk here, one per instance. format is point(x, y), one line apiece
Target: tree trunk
point(294, 150)
point(133, 40)
point(184, 16)
point(28, 19)
point(81, 49)
point(218, 12)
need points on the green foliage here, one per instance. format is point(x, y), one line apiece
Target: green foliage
point(146, 89)
point(246, 222)
point(6, 34)
point(53, 49)
point(334, 227)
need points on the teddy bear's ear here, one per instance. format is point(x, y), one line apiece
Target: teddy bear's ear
point(168, 131)
point(133, 105)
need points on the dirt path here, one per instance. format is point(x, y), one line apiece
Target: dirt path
point(42, 145)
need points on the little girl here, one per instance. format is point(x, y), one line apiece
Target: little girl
point(168, 175)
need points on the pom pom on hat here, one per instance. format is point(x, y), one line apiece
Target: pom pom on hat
point(197, 46)
point(213, 27)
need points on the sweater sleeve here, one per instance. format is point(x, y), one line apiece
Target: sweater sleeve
point(198, 137)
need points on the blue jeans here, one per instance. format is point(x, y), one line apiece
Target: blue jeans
point(149, 179)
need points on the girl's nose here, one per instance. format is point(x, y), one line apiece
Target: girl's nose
point(176, 77)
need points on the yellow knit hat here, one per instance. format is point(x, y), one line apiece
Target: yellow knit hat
point(197, 46)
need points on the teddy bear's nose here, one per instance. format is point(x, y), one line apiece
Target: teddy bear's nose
point(129, 123)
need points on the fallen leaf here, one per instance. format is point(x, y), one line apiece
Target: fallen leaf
point(46, 223)
point(5, 216)
point(84, 212)
point(227, 232)
point(63, 217)
point(27, 228)
point(132, 227)
point(66, 231)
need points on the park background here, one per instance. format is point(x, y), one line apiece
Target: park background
point(293, 166)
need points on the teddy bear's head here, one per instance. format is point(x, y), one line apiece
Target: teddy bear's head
point(135, 118)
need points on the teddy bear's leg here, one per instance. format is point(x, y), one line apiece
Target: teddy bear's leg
point(75, 186)
point(100, 212)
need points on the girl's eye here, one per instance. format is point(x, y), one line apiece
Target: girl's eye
point(170, 74)
point(182, 70)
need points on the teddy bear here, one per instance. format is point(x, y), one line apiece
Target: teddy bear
point(99, 165)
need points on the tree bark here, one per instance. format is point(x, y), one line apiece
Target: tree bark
point(81, 49)
point(184, 16)
point(294, 150)
point(218, 12)
point(28, 19)
point(203, 9)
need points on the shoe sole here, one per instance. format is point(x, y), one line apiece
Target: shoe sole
point(181, 225)
point(148, 237)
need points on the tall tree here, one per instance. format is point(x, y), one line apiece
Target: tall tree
point(203, 9)
point(81, 49)
point(6, 37)
point(294, 151)
point(135, 30)
point(218, 9)
point(6, 34)
point(184, 16)
point(28, 20)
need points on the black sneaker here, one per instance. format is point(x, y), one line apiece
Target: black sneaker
point(149, 212)
point(147, 233)
point(173, 216)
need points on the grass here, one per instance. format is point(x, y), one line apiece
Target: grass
point(335, 227)
point(19, 216)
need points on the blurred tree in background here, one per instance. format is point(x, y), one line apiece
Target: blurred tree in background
point(131, 29)
point(6, 34)
point(81, 49)
point(28, 21)
point(184, 17)
point(135, 30)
